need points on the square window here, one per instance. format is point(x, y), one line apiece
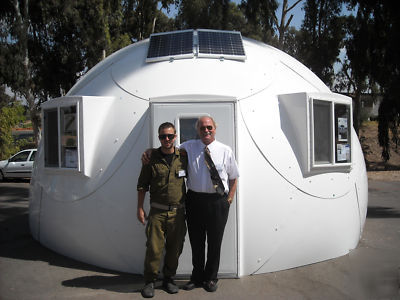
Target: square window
point(61, 137)
point(187, 129)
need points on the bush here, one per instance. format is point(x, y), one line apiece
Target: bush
point(10, 116)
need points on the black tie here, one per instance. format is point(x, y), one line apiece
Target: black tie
point(216, 180)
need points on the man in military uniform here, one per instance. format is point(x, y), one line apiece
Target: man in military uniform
point(210, 193)
point(166, 221)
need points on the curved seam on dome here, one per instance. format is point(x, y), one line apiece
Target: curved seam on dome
point(289, 67)
point(126, 91)
point(358, 208)
point(88, 77)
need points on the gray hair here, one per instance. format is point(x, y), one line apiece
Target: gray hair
point(209, 117)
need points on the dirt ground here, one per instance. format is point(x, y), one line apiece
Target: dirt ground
point(376, 167)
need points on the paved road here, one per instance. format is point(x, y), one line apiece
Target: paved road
point(372, 271)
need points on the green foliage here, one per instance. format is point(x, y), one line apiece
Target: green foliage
point(322, 34)
point(376, 54)
point(212, 14)
point(143, 17)
point(260, 15)
point(10, 116)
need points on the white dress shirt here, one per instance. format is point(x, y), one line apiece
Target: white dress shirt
point(199, 179)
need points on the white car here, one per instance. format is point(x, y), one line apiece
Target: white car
point(19, 165)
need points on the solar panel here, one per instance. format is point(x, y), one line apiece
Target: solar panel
point(164, 46)
point(202, 42)
point(226, 44)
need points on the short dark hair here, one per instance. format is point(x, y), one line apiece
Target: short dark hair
point(166, 125)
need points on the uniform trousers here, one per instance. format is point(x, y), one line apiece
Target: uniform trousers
point(206, 218)
point(164, 229)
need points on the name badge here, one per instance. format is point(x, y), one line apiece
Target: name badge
point(181, 173)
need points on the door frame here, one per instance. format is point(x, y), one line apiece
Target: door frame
point(203, 99)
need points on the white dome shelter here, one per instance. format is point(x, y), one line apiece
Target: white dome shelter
point(303, 190)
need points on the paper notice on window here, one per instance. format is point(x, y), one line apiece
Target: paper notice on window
point(342, 130)
point(71, 158)
point(348, 158)
point(343, 152)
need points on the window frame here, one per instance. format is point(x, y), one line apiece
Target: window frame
point(59, 105)
point(333, 164)
point(181, 116)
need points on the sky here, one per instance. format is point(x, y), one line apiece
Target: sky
point(297, 12)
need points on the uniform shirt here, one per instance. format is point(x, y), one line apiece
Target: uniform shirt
point(199, 179)
point(166, 182)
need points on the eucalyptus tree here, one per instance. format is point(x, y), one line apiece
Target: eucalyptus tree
point(321, 38)
point(260, 16)
point(353, 76)
point(47, 45)
point(144, 17)
point(377, 53)
point(283, 25)
point(211, 14)
point(16, 67)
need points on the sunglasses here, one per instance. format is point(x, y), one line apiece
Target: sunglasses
point(202, 128)
point(164, 136)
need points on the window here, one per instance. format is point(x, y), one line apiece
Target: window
point(61, 137)
point(32, 158)
point(342, 133)
point(51, 138)
point(331, 133)
point(69, 144)
point(318, 128)
point(23, 156)
point(187, 129)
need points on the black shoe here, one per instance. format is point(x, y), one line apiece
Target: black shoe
point(148, 290)
point(170, 286)
point(191, 285)
point(210, 286)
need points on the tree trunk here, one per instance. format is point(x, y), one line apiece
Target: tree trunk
point(27, 90)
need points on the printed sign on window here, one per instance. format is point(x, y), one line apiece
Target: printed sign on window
point(343, 152)
point(71, 158)
point(342, 130)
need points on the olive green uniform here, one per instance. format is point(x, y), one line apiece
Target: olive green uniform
point(165, 226)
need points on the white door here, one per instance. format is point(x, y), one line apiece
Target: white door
point(184, 115)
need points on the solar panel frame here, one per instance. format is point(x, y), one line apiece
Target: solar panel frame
point(170, 45)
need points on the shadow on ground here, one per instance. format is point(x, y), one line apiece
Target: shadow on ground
point(382, 212)
point(122, 283)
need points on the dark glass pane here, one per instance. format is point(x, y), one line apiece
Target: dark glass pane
point(322, 132)
point(170, 44)
point(187, 128)
point(51, 138)
point(219, 42)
